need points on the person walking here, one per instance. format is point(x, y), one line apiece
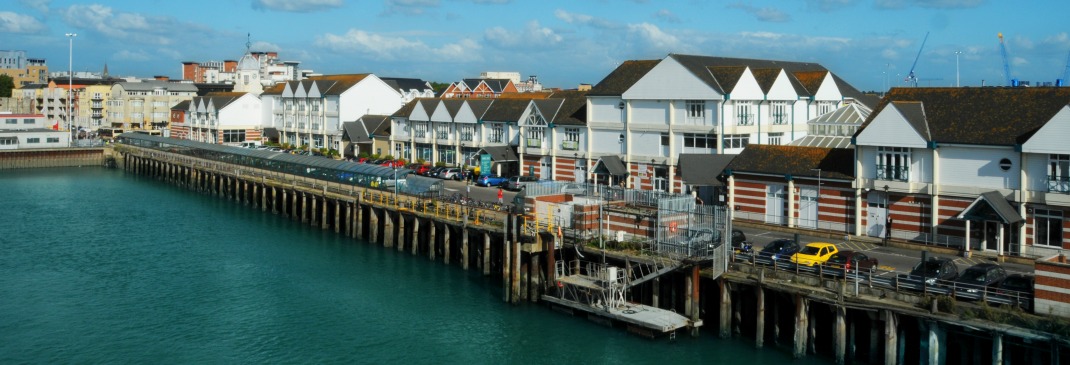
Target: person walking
point(500, 195)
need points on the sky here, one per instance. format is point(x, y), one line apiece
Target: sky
point(872, 44)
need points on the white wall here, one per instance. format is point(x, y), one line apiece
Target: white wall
point(604, 110)
point(605, 141)
point(1036, 170)
point(369, 96)
point(979, 167)
point(649, 112)
point(244, 112)
point(646, 143)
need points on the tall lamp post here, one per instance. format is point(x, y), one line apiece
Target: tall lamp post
point(957, 53)
point(70, 85)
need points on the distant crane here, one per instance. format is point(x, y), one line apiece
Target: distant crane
point(911, 78)
point(1066, 72)
point(1006, 65)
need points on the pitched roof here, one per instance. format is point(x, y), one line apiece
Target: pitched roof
point(571, 107)
point(703, 169)
point(479, 106)
point(727, 76)
point(506, 110)
point(835, 163)
point(274, 89)
point(182, 105)
point(406, 109)
point(355, 132)
point(765, 77)
point(497, 85)
point(981, 116)
point(376, 125)
point(623, 77)
point(406, 84)
point(699, 66)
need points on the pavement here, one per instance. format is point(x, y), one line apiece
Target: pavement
point(477, 192)
point(897, 259)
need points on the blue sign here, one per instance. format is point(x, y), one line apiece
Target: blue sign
point(484, 164)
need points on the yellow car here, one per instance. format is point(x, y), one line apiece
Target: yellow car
point(815, 253)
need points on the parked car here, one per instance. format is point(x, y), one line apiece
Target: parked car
point(491, 180)
point(932, 270)
point(574, 189)
point(779, 250)
point(393, 163)
point(852, 261)
point(702, 241)
point(449, 173)
point(978, 278)
point(419, 169)
point(814, 253)
point(1019, 288)
point(433, 172)
point(739, 242)
point(517, 182)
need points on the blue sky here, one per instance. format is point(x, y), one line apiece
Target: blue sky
point(870, 43)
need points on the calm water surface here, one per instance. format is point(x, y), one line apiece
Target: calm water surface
point(100, 266)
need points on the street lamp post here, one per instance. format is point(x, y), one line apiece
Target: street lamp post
point(887, 216)
point(70, 85)
point(957, 53)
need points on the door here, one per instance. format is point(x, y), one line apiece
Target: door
point(876, 214)
point(808, 207)
point(991, 235)
point(544, 169)
point(581, 171)
point(775, 204)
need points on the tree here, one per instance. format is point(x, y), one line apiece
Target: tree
point(6, 86)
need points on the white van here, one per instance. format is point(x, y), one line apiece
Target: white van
point(250, 144)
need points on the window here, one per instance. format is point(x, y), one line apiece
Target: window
point(572, 139)
point(497, 133)
point(1059, 173)
point(736, 140)
point(442, 131)
point(1048, 227)
point(419, 130)
point(12, 121)
point(696, 111)
point(774, 138)
point(33, 140)
point(466, 132)
point(27, 121)
point(52, 140)
point(665, 140)
point(893, 163)
point(778, 113)
point(744, 116)
point(535, 137)
point(692, 140)
point(824, 107)
point(233, 136)
point(8, 141)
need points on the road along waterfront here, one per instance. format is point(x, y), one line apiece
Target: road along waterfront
point(101, 266)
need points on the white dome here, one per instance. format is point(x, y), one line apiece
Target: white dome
point(248, 62)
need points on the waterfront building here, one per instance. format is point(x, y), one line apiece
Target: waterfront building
point(253, 72)
point(480, 88)
point(410, 88)
point(978, 168)
point(146, 104)
point(646, 113)
point(28, 131)
point(368, 135)
point(310, 112)
point(221, 118)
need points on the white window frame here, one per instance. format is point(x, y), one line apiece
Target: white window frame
point(695, 111)
point(736, 141)
point(778, 112)
point(775, 138)
point(1044, 220)
point(744, 112)
point(497, 133)
point(1059, 173)
point(893, 163)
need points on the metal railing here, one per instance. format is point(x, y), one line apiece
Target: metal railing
point(1058, 184)
point(890, 172)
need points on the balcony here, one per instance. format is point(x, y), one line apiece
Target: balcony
point(893, 173)
point(1059, 184)
point(570, 145)
point(745, 119)
point(534, 142)
point(780, 118)
point(420, 134)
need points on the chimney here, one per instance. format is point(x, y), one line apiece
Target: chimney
point(230, 65)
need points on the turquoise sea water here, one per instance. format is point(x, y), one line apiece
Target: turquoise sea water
point(100, 266)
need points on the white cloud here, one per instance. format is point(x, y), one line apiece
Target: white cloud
point(127, 55)
point(1018, 61)
point(39, 5)
point(666, 16)
point(655, 38)
point(766, 14)
point(533, 35)
point(265, 47)
point(297, 6)
point(392, 48)
point(19, 23)
point(157, 30)
point(409, 7)
point(583, 19)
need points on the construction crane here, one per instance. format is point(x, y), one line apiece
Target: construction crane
point(1006, 65)
point(1066, 71)
point(911, 78)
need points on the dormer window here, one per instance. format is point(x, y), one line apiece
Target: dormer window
point(893, 163)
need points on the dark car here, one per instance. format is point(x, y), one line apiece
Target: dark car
point(932, 270)
point(739, 242)
point(852, 261)
point(1017, 288)
point(781, 249)
point(491, 180)
point(433, 172)
point(978, 279)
